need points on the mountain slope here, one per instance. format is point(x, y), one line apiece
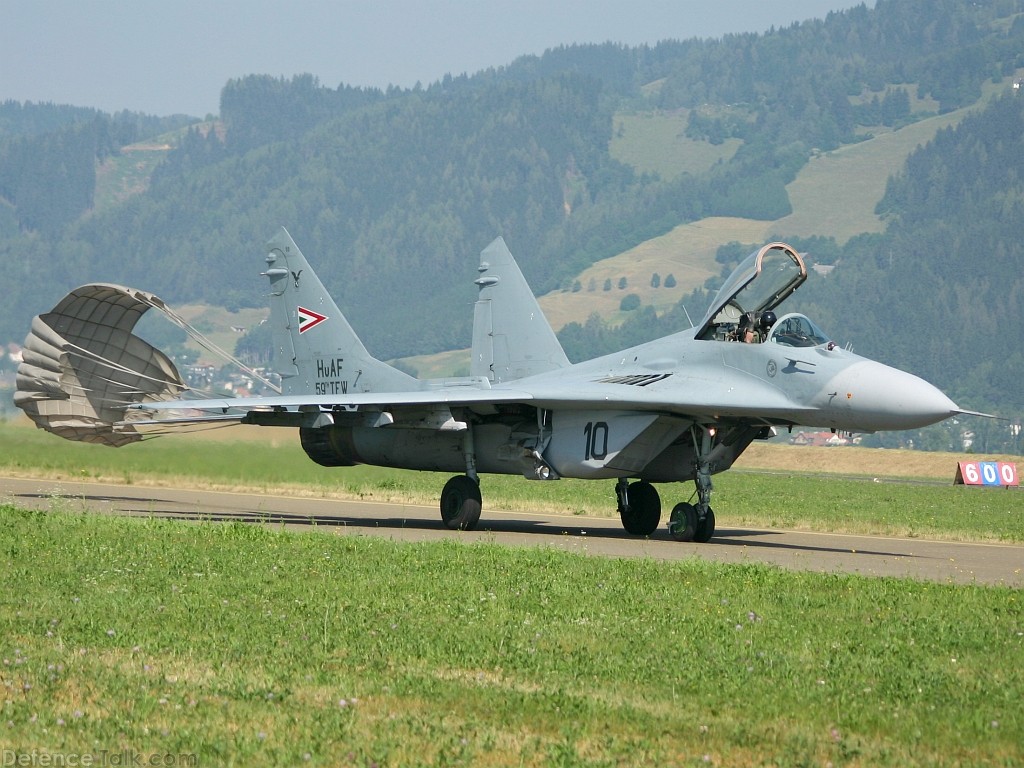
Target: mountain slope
point(393, 194)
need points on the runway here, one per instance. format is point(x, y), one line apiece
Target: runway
point(941, 561)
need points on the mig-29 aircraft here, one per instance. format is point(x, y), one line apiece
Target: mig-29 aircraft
point(680, 408)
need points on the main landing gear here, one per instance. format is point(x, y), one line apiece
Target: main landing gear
point(640, 510)
point(640, 507)
point(639, 504)
point(461, 503)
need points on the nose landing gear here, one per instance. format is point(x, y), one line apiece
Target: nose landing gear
point(697, 523)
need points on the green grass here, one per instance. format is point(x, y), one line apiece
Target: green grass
point(238, 645)
point(128, 173)
point(758, 499)
point(656, 142)
point(833, 195)
point(245, 645)
point(836, 192)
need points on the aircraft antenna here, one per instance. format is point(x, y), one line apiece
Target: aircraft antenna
point(687, 315)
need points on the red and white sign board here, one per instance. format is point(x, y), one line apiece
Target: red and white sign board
point(994, 473)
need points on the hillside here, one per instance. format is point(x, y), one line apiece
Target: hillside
point(596, 163)
point(833, 196)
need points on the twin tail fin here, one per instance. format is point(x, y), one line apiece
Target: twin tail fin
point(315, 349)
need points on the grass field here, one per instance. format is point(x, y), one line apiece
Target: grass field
point(656, 142)
point(827, 489)
point(836, 192)
point(226, 644)
point(835, 195)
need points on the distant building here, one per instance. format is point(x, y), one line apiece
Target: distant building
point(823, 269)
point(822, 439)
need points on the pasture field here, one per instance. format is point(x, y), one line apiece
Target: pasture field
point(830, 489)
point(230, 644)
point(833, 195)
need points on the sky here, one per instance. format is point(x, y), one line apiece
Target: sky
point(166, 57)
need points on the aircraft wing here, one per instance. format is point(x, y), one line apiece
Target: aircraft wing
point(685, 396)
point(454, 396)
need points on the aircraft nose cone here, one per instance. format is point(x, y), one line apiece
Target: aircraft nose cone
point(879, 397)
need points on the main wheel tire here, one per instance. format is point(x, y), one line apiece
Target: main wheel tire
point(643, 512)
point(682, 525)
point(705, 528)
point(461, 503)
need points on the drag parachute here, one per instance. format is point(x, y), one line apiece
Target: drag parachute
point(83, 366)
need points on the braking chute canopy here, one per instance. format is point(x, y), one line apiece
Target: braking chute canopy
point(83, 365)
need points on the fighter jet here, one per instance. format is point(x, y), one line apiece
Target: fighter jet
point(681, 408)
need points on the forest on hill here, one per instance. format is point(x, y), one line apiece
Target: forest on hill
point(940, 292)
point(392, 194)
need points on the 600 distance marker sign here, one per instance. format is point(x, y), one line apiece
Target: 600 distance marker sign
point(986, 473)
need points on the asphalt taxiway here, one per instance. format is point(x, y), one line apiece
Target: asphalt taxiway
point(942, 561)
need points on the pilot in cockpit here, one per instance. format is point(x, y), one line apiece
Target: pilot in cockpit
point(745, 330)
point(752, 331)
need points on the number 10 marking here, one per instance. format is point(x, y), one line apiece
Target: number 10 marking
point(596, 436)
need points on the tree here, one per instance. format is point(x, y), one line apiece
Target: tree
point(629, 302)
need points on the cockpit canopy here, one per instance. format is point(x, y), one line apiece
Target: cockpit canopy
point(797, 331)
point(760, 283)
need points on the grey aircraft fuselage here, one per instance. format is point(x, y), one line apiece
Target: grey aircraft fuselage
point(679, 408)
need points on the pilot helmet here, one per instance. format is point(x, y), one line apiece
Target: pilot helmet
point(767, 320)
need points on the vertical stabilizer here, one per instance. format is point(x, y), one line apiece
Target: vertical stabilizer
point(511, 337)
point(315, 349)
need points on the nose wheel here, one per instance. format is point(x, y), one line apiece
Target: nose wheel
point(689, 522)
point(685, 523)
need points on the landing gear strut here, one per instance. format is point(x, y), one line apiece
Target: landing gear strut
point(461, 501)
point(697, 522)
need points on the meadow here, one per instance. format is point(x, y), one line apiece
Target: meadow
point(836, 490)
point(228, 644)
